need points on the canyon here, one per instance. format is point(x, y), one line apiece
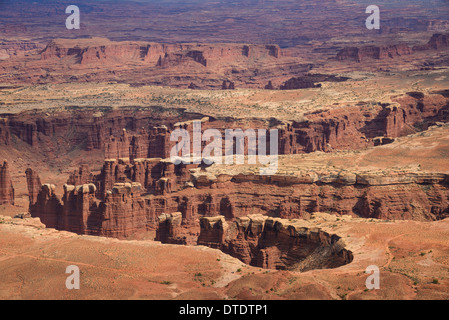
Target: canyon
point(89, 120)
point(197, 65)
point(145, 132)
point(409, 254)
point(139, 192)
point(272, 243)
point(203, 65)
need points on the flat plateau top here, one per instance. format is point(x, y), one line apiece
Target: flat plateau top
point(363, 88)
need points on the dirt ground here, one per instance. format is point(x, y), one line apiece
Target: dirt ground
point(413, 259)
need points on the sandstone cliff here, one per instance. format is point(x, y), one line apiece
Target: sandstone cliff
point(5, 134)
point(103, 51)
point(438, 41)
point(138, 156)
point(131, 197)
point(6, 188)
point(120, 215)
point(274, 243)
point(360, 54)
point(146, 133)
point(33, 184)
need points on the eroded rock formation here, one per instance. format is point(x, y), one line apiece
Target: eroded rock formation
point(360, 54)
point(34, 185)
point(181, 62)
point(124, 206)
point(6, 187)
point(5, 135)
point(100, 50)
point(308, 81)
point(438, 41)
point(48, 207)
point(170, 230)
point(121, 214)
point(94, 129)
point(274, 243)
point(146, 133)
point(138, 157)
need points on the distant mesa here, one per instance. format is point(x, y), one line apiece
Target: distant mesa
point(360, 54)
point(182, 65)
point(299, 83)
point(438, 41)
point(308, 81)
point(94, 50)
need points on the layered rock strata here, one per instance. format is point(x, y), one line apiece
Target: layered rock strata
point(33, 184)
point(146, 133)
point(125, 206)
point(274, 243)
point(120, 215)
point(438, 41)
point(137, 184)
point(360, 54)
point(103, 51)
point(6, 187)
